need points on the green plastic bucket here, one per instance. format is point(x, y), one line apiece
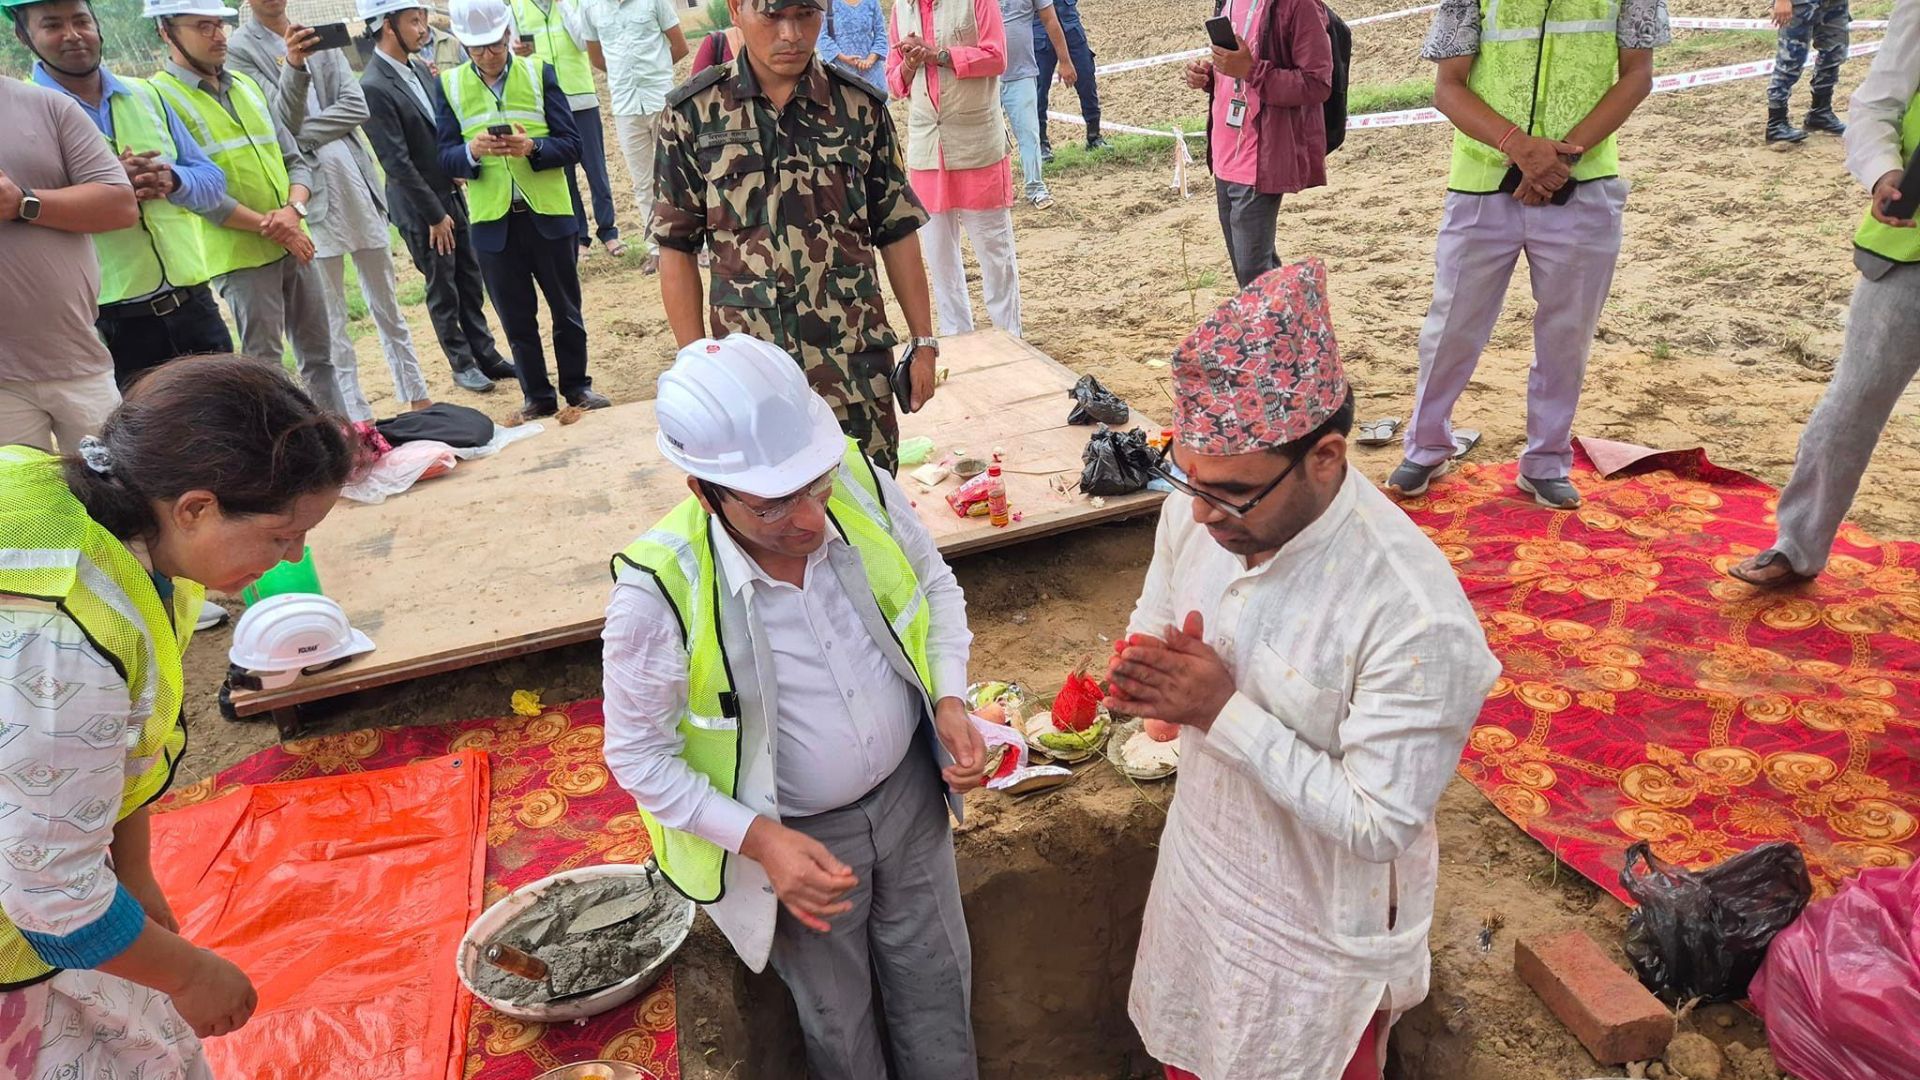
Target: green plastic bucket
point(288, 577)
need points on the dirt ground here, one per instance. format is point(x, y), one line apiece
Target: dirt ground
point(1727, 312)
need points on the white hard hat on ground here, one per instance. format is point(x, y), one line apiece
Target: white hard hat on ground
point(375, 9)
point(479, 22)
point(739, 413)
point(160, 9)
point(282, 635)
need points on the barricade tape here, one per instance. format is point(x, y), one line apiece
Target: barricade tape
point(1756, 24)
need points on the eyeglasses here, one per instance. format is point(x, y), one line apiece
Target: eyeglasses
point(206, 28)
point(783, 508)
point(498, 46)
point(1163, 468)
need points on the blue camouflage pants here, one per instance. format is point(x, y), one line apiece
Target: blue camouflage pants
point(1823, 25)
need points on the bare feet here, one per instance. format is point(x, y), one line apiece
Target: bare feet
point(1769, 570)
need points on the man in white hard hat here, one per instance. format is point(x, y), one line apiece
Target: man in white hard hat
point(426, 206)
point(256, 241)
point(316, 97)
point(505, 126)
point(785, 658)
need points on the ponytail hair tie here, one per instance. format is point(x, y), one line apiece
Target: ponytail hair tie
point(96, 455)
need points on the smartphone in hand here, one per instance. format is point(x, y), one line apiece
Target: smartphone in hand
point(333, 36)
point(1909, 200)
point(500, 129)
point(1220, 32)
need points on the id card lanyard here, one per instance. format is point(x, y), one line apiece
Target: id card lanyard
point(1237, 107)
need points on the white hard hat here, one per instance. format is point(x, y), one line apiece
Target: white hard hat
point(374, 9)
point(282, 635)
point(160, 9)
point(479, 22)
point(739, 413)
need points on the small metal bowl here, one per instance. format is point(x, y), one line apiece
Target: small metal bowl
point(598, 1070)
point(968, 468)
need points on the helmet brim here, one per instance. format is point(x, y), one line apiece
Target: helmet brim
point(475, 41)
point(823, 453)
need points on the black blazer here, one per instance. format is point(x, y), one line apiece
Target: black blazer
point(408, 147)
point(559, 149)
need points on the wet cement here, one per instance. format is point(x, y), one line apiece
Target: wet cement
point(587, 960)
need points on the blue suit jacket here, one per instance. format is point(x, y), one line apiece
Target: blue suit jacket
point(559, 149)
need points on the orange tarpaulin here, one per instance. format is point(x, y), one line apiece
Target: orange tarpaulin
point(343, 898)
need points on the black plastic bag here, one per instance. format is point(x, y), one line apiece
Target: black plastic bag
point(1703, 935)
point(1095, 404)
point(1116, 463)
point(456, 425)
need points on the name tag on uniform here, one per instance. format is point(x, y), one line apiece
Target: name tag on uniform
point(726, 138)
point(1236, 112)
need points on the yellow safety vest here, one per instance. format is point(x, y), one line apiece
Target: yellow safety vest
point(50, 550)
point(166, 249)
point(490, 194)
point(1899, 245)
point(246, 146)
point(553, 44)
point(678, 554)
point(1544, 65)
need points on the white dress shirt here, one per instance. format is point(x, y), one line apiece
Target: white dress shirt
point(1873, 119)
point(844, 718)
point(633, 39)
point(1306, 814)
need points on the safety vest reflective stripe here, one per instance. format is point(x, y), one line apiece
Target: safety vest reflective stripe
point(51, 551)
point(167, 248)
point(553, 44)
point(1543, 65)
point(522, 101)
point(246, 145)
point(677, 553)
point(1899, 245)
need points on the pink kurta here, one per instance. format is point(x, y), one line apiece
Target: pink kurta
point(989, 187)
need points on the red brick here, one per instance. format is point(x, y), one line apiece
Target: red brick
point(1606, 1008)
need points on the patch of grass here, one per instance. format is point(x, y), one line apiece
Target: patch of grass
point(1070, 156)
point(1389, 97)
point(1205, 279)
point(1662, 350)
point(1689, 45)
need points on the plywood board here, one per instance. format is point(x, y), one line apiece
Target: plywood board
point(508, 555)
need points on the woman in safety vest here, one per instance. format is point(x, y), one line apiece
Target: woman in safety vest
point(211, 471)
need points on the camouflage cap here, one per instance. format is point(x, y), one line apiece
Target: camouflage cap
point(768, 7)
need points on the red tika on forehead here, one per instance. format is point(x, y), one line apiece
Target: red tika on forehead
point(1263, 369)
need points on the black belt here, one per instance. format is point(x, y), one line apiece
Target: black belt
point(165, 303)
point(519, 207)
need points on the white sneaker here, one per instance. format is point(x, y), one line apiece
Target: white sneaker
point(211, 615)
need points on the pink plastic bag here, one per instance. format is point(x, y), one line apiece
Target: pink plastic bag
point(401, 468)
point(1840, 988)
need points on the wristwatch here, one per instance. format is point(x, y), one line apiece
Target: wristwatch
point(924, 343)
point(945, 59)
point(299, 208)
point(29, 205)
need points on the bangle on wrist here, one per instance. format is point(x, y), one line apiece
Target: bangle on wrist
point(1502, 144)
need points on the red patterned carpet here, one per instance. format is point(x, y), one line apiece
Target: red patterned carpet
point(554, 807)
point(1648, 696)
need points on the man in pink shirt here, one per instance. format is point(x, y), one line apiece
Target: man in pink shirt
point(1266, 131)
point(946, 59)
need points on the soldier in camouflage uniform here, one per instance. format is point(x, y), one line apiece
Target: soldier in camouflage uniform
point(1823, 24)
point(790, 171)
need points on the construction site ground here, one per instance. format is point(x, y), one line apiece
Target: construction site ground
point(1726, 315)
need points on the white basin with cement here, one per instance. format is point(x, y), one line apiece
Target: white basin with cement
point(495, 919)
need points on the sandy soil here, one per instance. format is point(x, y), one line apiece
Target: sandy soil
point(1727, 312)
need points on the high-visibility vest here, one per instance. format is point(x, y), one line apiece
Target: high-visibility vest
point(166, 249)
point(1544, 65)
point(246, 146)
point(490, 194)
point(1899, 245)
point(51, 551)
point(678, 554)
point(552, 44)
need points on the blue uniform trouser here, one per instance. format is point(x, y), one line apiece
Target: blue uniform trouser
point(1823, 25)
point(593, 161)
point(1088, 87)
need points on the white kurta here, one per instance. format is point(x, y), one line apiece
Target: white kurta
point(1306, 815)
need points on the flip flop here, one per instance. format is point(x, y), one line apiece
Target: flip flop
point(1464, 440)
point(1376, 432)
point(616, 247)
point(1744, 571)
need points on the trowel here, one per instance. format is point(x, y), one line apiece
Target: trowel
point(609, 913)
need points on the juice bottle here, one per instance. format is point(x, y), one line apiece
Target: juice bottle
point(996, 496)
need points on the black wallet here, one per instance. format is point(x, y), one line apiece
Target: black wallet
point(1510, 183)
point(902, 380)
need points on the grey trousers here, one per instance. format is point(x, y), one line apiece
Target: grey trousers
point(374, 269)
point(1247, 220)
point(905, 935)
point(287, 299)
point(1880, 358)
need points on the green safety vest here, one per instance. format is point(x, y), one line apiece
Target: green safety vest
point(678, 554)
point(166, 249)
point(553, 44)
point(50, 550)
point(1544, 65)
point(1899, 245)
point(490, 194)
point(247, 149)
